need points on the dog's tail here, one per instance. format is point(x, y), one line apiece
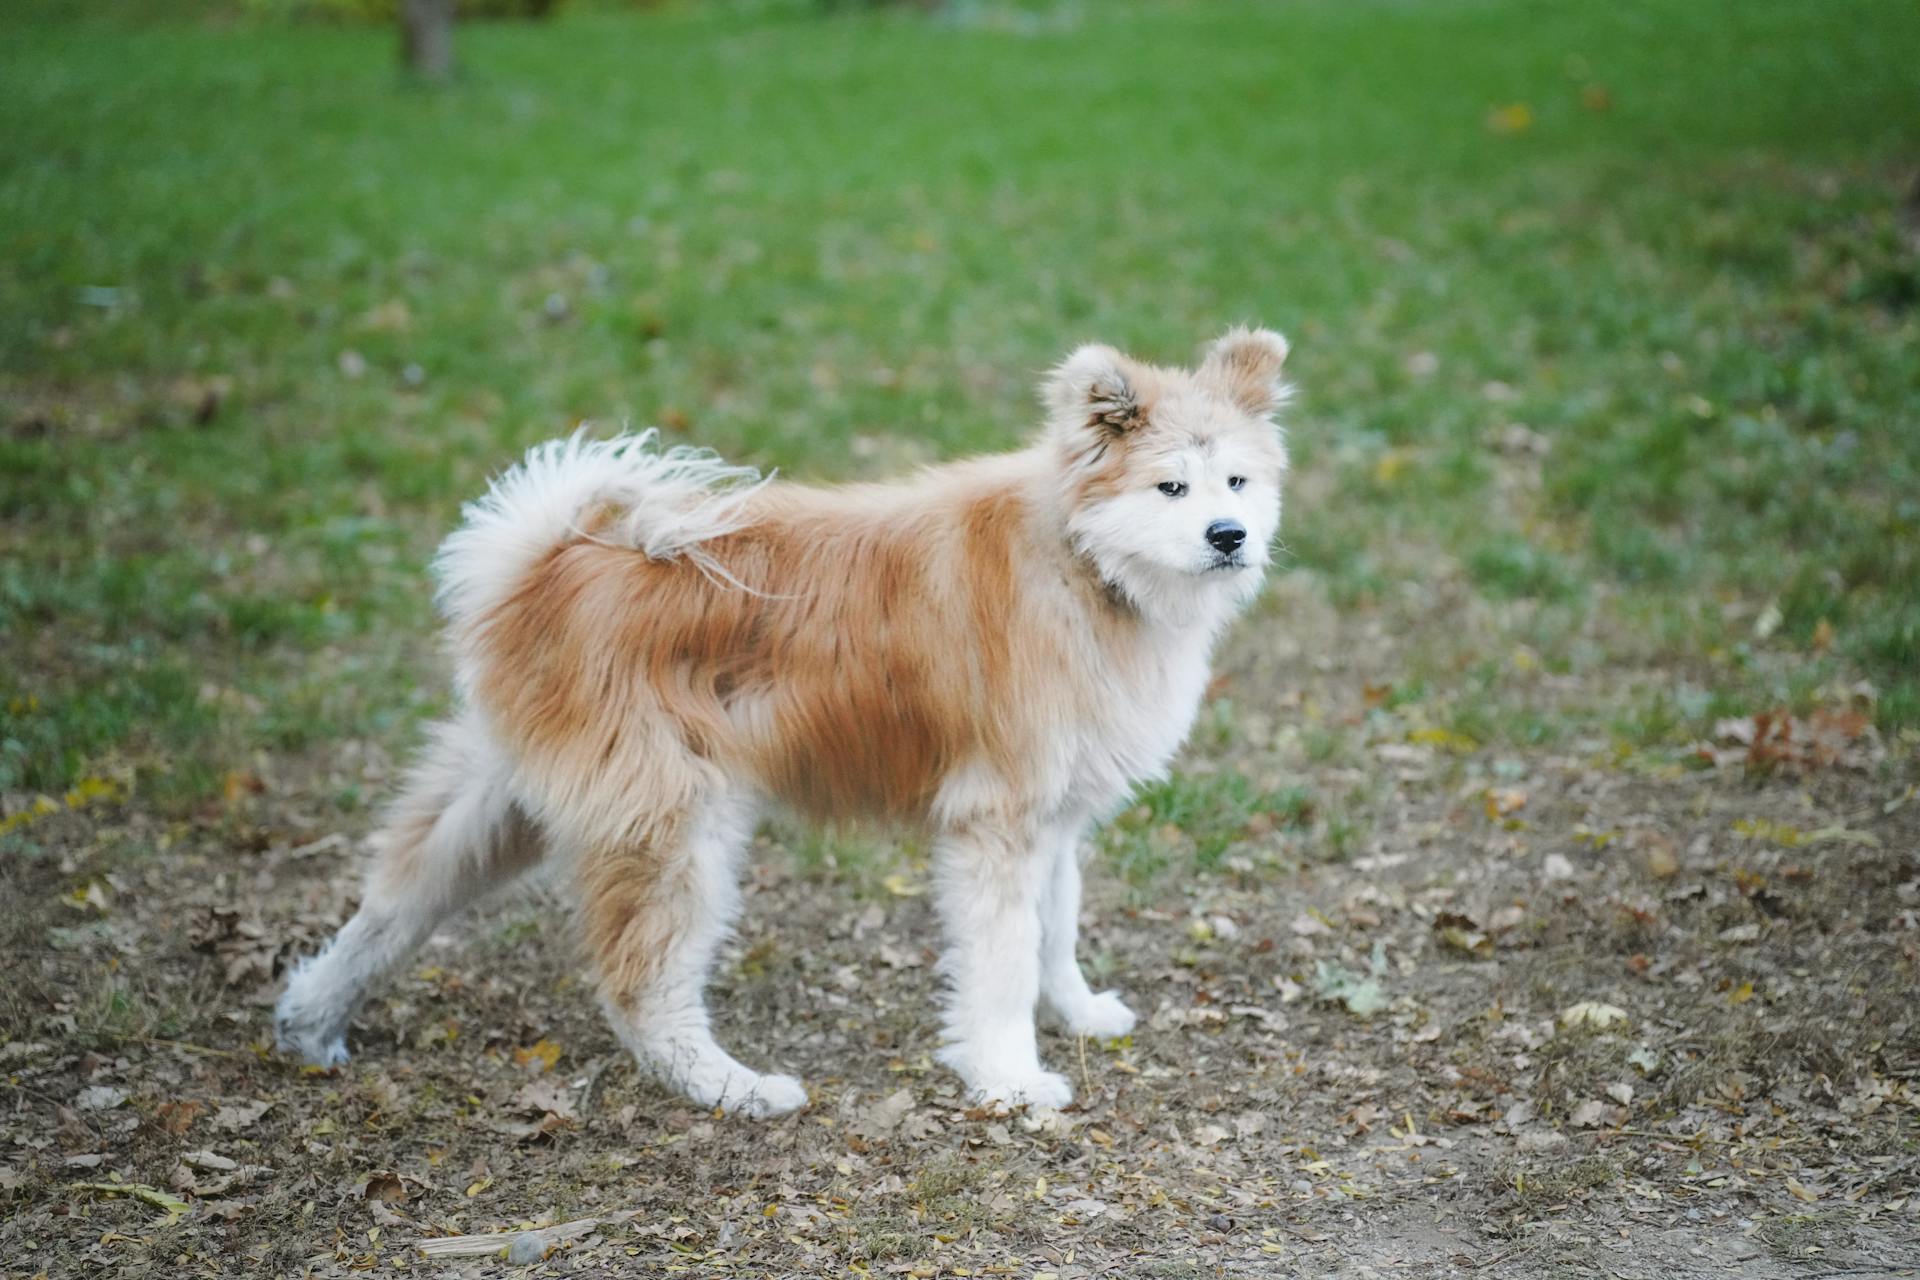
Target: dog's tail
point(663, 503)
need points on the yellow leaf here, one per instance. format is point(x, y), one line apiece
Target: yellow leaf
point(1740, 994)
point(1390, 465)
point(175, 1207)
point(1773, 832)
point(900, 887)
point(1800, 1192)
point(1514, 117)
point(475, 1188)
point(544, 1052)
point(1459, 743)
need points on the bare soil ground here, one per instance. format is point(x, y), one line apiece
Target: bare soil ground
point(1548, 1014)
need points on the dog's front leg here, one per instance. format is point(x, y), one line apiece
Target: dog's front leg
point(1079, 1008)
point(990, 883)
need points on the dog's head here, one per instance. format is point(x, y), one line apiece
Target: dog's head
point(1171, 477)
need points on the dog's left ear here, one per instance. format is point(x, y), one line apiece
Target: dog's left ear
point(1244, 366)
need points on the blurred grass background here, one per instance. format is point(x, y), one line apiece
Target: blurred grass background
point(1603, 315)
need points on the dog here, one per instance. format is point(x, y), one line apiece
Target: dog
point(651, 646)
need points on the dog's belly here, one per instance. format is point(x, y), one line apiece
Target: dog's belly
point(870, 749)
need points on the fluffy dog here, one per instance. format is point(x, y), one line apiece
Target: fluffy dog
point(652, 645)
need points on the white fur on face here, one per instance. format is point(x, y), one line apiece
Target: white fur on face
point(1148, 541)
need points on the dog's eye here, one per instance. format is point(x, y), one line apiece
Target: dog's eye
point(1173, 488)
point(1236, 482)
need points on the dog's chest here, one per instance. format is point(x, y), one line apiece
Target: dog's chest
point(1141, 717)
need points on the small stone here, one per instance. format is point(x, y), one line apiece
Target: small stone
point(1555, 866)
point(1220, 1222)
point(526, 1248)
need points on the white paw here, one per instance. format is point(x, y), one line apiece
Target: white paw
point(1104, 1017)
point(314, 1048)
point(767, 1097)
point(1039, 1089)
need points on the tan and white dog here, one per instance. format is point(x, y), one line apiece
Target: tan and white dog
point(653, 645)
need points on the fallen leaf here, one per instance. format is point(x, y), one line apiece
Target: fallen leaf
point(901, 887)
point(177, 1117)
point(208, 1160)
point(1337, 984)
point(883, 1115)
point(1594, 1014)
point(1463, 934)
point(546, 1096)
point(100, 1097)
point(175, 1207)
point(1662, 862)
point(1512, 118)
point(544, 1052)
point(1501, 801)
point(1588, 1115)
point(235, 1116)
point(385, 1187)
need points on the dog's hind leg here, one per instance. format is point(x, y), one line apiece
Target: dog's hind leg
point(453, 834)
point(1063, 987)
point(655, 908)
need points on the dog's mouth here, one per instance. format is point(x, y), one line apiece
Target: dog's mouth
point(1226, 563)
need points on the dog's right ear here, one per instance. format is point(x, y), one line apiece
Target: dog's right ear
point(1094, 387)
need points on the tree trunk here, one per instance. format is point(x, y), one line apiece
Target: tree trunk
point(426, 38)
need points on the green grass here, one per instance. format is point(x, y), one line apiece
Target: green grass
point(271, 316)
point(1195, 820)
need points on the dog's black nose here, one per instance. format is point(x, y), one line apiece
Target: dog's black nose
point(1225, 536)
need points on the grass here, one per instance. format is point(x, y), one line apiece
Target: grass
point(272, 316)
point(1193, 820)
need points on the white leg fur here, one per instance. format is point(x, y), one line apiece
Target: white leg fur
point(452, 835)
point(1063, 987)
point(666, 1025)
point(989, 888)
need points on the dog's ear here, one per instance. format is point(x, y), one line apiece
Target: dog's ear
point(1095, 387)
point(1244, 366)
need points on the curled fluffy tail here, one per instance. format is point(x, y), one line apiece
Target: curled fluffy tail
point(665, 503)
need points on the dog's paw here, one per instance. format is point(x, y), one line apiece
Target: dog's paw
point(1103, 1017)
point(740, 1090)
point(1040, 1089)
point(314, 1048)
point(772, 1094)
